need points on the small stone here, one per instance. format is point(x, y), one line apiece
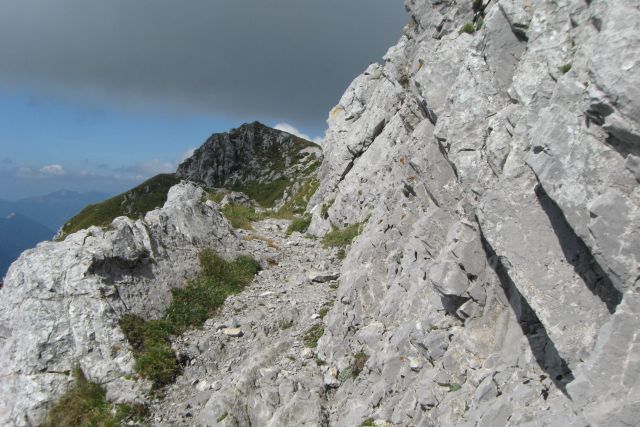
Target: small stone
point(307, 353)
point(202, 386)
point(318, 277)
point(315, 316)
point(330, 380)
point(415, 364)
point(233, 332)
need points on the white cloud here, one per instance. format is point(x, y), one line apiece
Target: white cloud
point(187, 154)
point(286, 127)
point(52, 170)
point(24, 171)
point(151, 167)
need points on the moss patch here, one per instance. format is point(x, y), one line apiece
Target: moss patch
point(564, 69)
point(134, 203)
point(85, 404)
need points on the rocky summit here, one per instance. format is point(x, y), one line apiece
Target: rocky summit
point(268, 165)
point(469, 258)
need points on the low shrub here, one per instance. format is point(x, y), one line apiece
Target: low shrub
point(359, 360)
point(85, 404)
point(324, 209)
point(299, 224)
point(312, 335)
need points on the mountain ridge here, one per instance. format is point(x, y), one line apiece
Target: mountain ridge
point(471, 257)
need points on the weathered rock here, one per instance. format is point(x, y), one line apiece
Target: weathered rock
point(235, 198)
point(233, 332)
point(61, 301)
point(322, 277)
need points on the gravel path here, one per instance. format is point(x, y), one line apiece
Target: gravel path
point(224, 372)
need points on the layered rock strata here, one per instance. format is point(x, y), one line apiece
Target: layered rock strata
point(493, 156)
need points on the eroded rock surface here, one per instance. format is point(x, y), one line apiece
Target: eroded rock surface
point(60, 304)
point(497, 173)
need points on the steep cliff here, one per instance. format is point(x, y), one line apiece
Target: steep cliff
point(493, 156)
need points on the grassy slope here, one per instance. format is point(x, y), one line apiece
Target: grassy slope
point(190, 307)
point(134, 203)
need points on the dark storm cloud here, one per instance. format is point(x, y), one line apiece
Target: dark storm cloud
point(273, 59)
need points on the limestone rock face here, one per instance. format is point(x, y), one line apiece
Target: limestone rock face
point(497, 172)
point(60, 304)
point(492, 164)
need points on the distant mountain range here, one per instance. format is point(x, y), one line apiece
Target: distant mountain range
point(26, 222)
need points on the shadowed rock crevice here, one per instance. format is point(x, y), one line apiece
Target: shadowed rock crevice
point(578, 254)
point(542, 347)
point(116, 269)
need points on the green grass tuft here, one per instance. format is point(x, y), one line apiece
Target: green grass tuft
point(564, 69)
point(299, 224)
point(191, 307)
point(265, 194)
point(340, 237)
point(217, 196)
point(134, 203)
point(359, 360)
point(468, 28)
point(324, 310)
point(369, 422)
point(85, 404)
point(313, 334)
point(241, 216)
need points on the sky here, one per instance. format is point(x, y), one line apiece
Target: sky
point(100, 95)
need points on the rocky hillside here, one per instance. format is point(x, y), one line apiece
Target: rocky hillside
point(61, 301)
point(475, 259)
point(269, 165)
